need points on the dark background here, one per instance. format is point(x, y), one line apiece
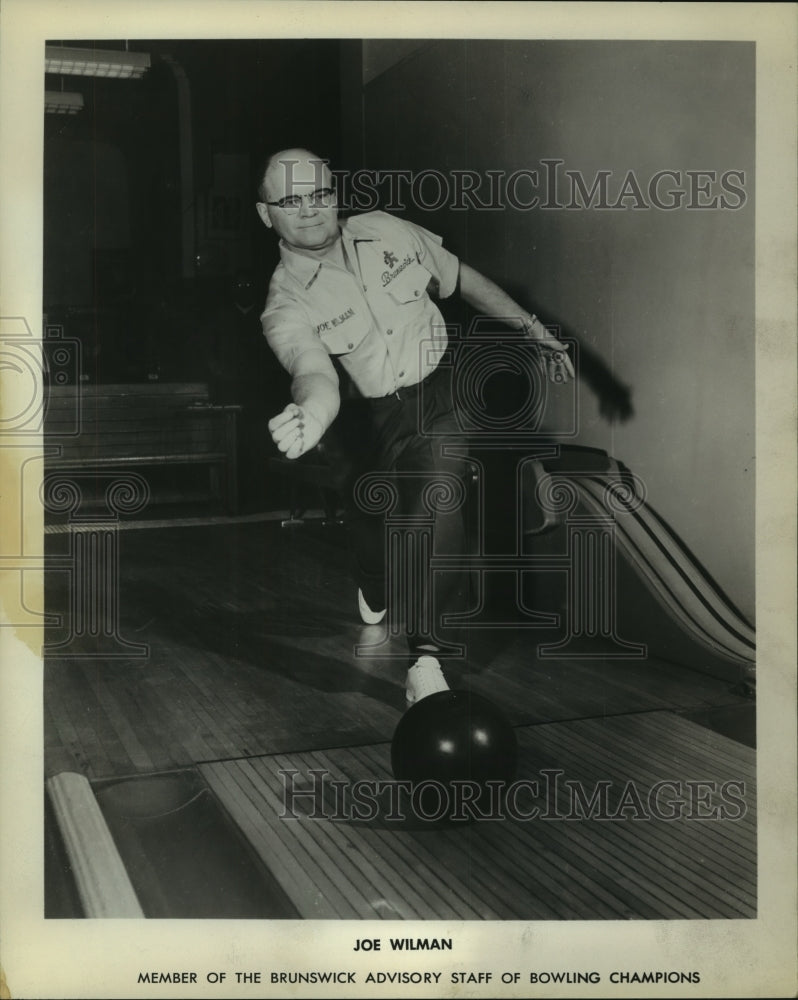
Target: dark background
point(140, 265)
point(115, 273)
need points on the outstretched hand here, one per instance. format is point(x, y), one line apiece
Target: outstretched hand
point(295, 431)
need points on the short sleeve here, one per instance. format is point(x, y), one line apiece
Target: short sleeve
point(289, 334)
point(431, 253)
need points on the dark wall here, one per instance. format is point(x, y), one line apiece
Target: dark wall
point(119, 270)
point(661, 301)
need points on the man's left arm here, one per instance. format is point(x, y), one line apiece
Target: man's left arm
point(489, 299)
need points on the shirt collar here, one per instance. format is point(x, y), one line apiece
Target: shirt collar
point(306, 269)
point(301, 267)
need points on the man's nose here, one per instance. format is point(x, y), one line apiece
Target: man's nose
point(306, 208)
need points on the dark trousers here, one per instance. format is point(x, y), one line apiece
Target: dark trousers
point(402, 438)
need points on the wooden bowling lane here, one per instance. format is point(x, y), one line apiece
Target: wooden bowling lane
point(633, 861)
point(250, 632)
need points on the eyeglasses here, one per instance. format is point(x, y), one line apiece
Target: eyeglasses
point(321, 198)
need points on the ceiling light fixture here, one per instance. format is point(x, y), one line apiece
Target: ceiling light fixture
point(62, 102)
point(95, 62)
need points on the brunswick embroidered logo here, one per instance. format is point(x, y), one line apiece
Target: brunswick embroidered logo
point(389, 258)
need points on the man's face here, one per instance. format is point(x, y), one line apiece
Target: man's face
point(299, 205)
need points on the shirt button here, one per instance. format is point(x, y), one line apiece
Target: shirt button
point(401, 374)
point(417, 293)
point(350, 346)
point(389, 332)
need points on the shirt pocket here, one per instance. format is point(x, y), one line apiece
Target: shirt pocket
point(346, 338)
point(410, 285)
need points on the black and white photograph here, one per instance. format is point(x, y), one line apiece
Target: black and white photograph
point(399, 437)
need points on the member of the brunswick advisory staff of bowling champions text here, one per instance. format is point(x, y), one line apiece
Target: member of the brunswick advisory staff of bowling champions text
point(362, 290)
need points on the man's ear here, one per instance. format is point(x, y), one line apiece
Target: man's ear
point(263, 212)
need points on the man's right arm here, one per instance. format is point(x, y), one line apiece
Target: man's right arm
point(316, 400)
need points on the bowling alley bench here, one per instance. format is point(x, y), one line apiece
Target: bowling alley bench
point(93, 433)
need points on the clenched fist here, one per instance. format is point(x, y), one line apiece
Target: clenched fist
point(295, 431)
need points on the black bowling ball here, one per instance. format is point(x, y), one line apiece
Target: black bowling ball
point(451, 737)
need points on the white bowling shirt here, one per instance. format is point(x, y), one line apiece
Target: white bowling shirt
point(374, 314)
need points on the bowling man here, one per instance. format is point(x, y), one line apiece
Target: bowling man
point(361, 291)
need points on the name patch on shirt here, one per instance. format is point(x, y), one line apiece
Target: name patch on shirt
point(329, 324)
point(388, 276)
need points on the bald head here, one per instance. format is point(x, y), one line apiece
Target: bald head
point(298, 201)
point(291, 167)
